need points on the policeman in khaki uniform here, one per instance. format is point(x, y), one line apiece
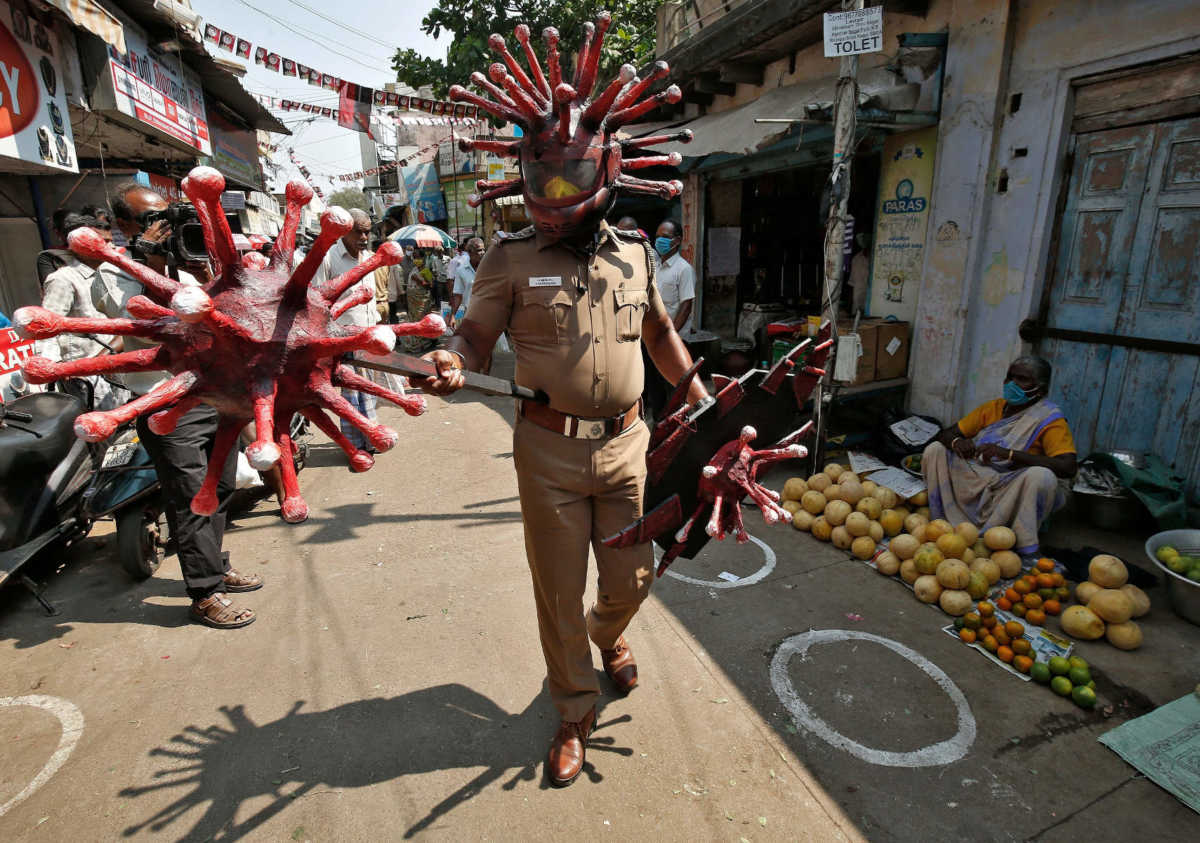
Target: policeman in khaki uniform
point(576, 314)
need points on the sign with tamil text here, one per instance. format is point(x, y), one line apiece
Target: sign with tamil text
point(853, 32)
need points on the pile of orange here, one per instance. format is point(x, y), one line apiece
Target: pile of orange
point(1039, 592)
point(1003, 640)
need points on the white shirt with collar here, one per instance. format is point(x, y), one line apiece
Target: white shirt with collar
point(676, 281)
point(338, 261)
point(464, 279)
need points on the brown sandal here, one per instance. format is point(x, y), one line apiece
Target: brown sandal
point(235, 582)
point(218, 611)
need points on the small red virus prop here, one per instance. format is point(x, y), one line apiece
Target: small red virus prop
point(571, 163)
point(729, 476)
point(257, 344)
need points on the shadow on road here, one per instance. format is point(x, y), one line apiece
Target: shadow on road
point(358, 744)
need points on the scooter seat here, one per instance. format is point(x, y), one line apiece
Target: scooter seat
point(29, 453)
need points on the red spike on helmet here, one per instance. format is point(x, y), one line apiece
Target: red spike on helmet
point(571, 163)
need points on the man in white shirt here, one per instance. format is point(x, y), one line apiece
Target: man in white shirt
point(345, 254)
point(676, 279)
point(464, 277)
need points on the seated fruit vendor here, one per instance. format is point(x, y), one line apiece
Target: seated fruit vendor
point(1006, 463)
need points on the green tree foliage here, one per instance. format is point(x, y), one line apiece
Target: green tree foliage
point(349, 197)
point(630, 39)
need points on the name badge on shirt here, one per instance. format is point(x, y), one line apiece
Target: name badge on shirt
point(545, 281)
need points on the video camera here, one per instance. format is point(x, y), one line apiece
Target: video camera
point(186, 243)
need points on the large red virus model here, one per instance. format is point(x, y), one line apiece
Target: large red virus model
point(257, 344)
point(571, 160)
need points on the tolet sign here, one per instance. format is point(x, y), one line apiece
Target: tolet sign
point(35, 123)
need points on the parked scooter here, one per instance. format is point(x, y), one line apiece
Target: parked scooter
point(54, 486)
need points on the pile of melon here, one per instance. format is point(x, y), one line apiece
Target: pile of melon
point(836, 506)
point(953, 566)
point(1107, 605)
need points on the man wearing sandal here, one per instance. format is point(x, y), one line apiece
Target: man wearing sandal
point(181, 456)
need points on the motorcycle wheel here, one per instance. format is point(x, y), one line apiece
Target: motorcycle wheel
point(142, 536)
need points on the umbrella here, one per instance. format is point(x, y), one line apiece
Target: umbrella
point(422, 236)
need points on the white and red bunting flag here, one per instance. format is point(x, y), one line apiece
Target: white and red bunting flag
point(314, 77)
point(211, 33)
point(243, 48)
point(306, 107)
point(273, 60)
point(326, 112)
point(393, 99)
point(381, 97)
point(260, 55)
point(302, 70)
point(228, 41)
point(289, 67)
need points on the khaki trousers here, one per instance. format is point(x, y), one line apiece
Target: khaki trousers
point(574, 493)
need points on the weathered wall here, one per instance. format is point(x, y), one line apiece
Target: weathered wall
point(985, 277)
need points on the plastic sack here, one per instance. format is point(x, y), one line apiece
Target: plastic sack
point(247, 477)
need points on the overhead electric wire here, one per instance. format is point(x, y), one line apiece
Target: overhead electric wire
point(316, 36)
point(349, 29)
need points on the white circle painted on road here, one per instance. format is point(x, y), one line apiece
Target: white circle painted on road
point(70, 717)
point(757, 576)
point(934, 755)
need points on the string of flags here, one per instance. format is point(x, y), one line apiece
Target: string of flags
point(356, 95)
point(304, 171)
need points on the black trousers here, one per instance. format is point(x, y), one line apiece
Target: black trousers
point(181, 460)
point(655, 390)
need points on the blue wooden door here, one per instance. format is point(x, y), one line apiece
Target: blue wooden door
point(1129, 264)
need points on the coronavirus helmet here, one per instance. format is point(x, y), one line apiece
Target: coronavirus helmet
point(572, 162)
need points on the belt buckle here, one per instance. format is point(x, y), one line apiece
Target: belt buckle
point(591, 429)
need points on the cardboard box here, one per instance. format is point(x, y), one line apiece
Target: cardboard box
point(891, 350)
point(868, 335)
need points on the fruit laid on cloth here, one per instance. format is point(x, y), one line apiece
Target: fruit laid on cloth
point(1085, 591)
point(892, 522)
point(1111, 605)
point(841, 538)
point(819, 482)
point(794, 489)
point(863, 547)
point(913, 521)
point(888, 499)
point(870, 507)
point(927, 588)
point(821, 528)
point(1124, 636)
point(1040, 672)
point(837, 511)
point(989, 569)
point(999, 538)
point(1139, 598)
point(954, 601)
point(852, 491)
point(791, 506)
point(834, 470)
point(950, 544)
point(1107, 571)
point(952, 573)
point(833, 492)
point(968, 531)
point(857, 524)
point(977, 585)
point(904, 546)
point(928, 558)
point(803, 520)
point(1081, 622)
point(813, 501)
point(1008, 562)
point(875, 531)
point(887, 563)
point(909, 572)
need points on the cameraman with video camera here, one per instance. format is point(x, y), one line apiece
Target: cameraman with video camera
point(168, 238)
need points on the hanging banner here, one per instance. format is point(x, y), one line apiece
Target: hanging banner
point(424, 192)
point(901, 220)
point(235, 151)
point(145, 86)
point(34, 126)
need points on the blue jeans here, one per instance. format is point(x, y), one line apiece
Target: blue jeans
point(365, 404)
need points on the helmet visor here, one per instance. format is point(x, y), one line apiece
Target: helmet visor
point(562, 181)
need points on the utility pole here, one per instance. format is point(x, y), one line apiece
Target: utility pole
point(845, 104)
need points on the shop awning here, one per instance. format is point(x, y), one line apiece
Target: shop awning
point(88, 15)
point(734, 131)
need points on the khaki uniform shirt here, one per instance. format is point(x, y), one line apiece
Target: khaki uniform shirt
point(575, 321)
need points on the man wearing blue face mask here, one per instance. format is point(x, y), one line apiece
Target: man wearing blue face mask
point(1006, 462)
point(676, 278)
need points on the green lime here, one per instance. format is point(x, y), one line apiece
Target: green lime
point(1061, 685)
point(1079, 676)
point(1040, 673)
point(1083, 696)
point(1078, 661)
point(1166, 553)
point(1059, 666)
point(1194, 574)
point(1177, 564)
point(1091, 684)
point(959, 623)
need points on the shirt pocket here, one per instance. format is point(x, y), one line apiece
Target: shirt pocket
point(631, 308)
point(545, 314)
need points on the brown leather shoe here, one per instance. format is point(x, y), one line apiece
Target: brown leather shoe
point(620, 666)
point(565, 760)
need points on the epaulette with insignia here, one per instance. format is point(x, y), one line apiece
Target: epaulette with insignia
point(523, 234)
point(636, 234)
